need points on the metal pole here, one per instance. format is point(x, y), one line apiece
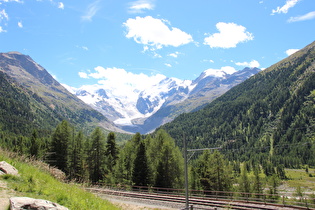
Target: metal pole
point(186, 174)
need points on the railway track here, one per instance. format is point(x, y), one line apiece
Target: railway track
point(198, 202)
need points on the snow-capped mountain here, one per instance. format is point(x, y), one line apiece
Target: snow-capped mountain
point(135, 104)
point(142, 110)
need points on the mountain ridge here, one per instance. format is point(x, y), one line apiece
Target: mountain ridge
point(164, 100)
point(46, 99)
point(260, 116)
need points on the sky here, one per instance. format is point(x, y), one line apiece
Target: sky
point(133, 43)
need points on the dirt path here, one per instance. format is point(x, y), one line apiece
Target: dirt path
point(5, 194)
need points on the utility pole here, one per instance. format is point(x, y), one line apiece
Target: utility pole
point(186, 167)
point(186, 175)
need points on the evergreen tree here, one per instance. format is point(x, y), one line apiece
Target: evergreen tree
point(214, 171)
point(257, 185)
point(35, 144)
point(244, 184)
point(281, 172)
point(97, 156)
point(273, 186)
point(141, 173)
point(59, 145)
point(168, 160)
point(76, 158)
point(111, 151)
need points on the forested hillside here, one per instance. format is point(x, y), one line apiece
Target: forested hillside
point(32, 99)
point(21, 110)
point(269, 117)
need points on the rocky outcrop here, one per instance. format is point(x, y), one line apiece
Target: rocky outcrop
point(20, 203)
point(6, 168)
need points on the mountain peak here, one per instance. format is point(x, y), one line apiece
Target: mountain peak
point(14, 52)
point(219, 72)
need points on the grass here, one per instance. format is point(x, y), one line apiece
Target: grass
point(34, 181)
point(299, 178)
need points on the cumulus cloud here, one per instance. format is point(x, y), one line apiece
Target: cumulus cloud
point(174, 55)
point(230, 34)
point(2, 30)
point(308, 16)
point(140, 6)
point(155, 33)
point(168, 65)
point(121, 82)
point(291, 51)
point(91, 11)
point(285, 8)
point(83, 75)
point(20, 25)
point(251, 64)
point(61, 5)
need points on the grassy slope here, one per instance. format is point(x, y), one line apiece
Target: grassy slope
point(35, 182)
point(299, 178)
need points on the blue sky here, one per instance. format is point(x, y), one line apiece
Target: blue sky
point(87, 42)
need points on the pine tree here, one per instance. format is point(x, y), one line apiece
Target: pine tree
point(76, 158)
point(244, 184)
point(167, 161)
point(111, 151)
point(141, 173)
point(97, 156)
point(34, 147)
point(257, 185)
point(214, 171)
point(59, 145)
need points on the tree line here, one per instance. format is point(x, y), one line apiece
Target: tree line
point(151, 160)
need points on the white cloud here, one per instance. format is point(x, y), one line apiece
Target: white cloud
point(91, 11)
point(251, 64)
point(168, 65)
point(140, 5)
point(121, 82)
point(230, 34)
point(155, 33)
point(19, 1)
point(291, 51)
point(308, 16)
point(83, 75)
point(207, 60)
point(3, 15)
point(175, 54)
point(285, 8)
point(20, 25)
point(61, 5)
point(2, 30)
point(82, 47)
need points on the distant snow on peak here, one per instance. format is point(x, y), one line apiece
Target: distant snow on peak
point(129, 99)
point(226, 70)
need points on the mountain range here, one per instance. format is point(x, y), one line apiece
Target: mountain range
point(32, 99)
point(162, 102)
point(268, 117)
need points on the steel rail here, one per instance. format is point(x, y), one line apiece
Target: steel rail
point(199, 201)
